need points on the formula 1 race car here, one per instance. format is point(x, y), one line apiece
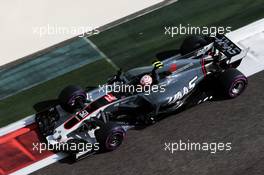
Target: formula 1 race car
point(202, 69)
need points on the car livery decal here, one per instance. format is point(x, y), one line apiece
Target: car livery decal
point(88, 110)
point(226, 46)
point(185, 90)
point(110, 97)
point(203, 66)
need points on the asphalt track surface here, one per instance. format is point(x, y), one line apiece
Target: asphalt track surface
point(239, 121)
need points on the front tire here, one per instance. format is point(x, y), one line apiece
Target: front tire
point(110, 136)
point(232, 83)
point(72, 98)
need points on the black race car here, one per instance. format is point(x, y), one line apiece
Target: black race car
point(203, 68)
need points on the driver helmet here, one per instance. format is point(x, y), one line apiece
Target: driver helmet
point(146, 80)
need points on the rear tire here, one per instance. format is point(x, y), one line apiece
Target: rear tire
point(192, 43)
point(72, 98)
point(232, 83)
point(110, 136)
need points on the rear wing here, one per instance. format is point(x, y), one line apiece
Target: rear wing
point(226, 46)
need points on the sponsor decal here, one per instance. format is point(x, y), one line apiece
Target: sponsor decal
point(185, 90)
point(83, 114)
point(226, 46)
point(110, 98)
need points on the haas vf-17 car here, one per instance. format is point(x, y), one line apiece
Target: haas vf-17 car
point(202, 69)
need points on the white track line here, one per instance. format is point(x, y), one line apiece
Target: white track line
point(167, 3)
point(247, 31)
point(252, 37)
point(101, 53)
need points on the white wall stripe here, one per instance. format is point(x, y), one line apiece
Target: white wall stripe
point(17, 125)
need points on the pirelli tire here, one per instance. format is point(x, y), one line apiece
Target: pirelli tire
point(72, 97)
point(110, 136)
point(232, 83)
